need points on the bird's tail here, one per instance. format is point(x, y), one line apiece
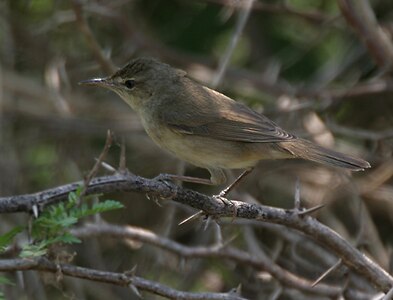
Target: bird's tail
point(310, 151)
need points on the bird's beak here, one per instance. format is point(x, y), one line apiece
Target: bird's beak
point(101, 82)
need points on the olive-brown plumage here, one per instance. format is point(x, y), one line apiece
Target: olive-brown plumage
point(205, 127)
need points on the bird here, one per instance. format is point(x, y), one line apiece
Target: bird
point(207, 128)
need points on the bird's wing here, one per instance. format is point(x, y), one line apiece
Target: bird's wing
point(233, 121)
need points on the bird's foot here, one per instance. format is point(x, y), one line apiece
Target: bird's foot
point(168, 180)
point(221, 197)
point(164, 177)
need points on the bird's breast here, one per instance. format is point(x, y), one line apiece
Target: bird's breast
point(202, 151)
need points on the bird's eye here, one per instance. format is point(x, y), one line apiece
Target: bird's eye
point(129, 83)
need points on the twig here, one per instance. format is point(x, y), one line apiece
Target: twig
point(99, 160)
point(105, 63)
point(297, 194)
point(224, 61)
point(361, 133)
point(122, 160)
point(359, 15)
point(331, 240)
point(121, 279)
point(389, 295)
point(216, 251)
point(316, 17)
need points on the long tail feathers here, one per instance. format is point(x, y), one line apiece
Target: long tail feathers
point(310, 151)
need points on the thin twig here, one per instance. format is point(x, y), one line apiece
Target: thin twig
point(216, 251)
point(282, 8)
point(359, 15)
point(121, 279)
point(105, 63)
point(297, 194)
point(224, 61)
point(123, 159)
point(389, 295)
point(99, 160)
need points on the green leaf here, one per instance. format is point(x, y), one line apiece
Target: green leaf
point(51, 227)
point(68, 238)
point(73, 197)
point(100, 207)
point(6, 238)
point(5, 280)
point(34, 250)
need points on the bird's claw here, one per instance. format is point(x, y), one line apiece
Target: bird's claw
point(224, 200)
point(227, 202)
point(168, 180)
point(163, 177)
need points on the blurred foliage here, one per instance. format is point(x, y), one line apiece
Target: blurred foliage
point(52, 226)
point(284, 65)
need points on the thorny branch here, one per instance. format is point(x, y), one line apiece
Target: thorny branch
point(352, 257)
point(367, 29)
point(215, 251)
point(121, 279)
point(259, 263)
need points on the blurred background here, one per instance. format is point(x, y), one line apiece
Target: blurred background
point(303, 63)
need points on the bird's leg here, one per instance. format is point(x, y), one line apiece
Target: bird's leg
point(217, 177)
point(222, 195)
point(226, 191)
point(173, 177)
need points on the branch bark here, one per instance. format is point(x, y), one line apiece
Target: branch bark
point(121, 279)
point(238, 256)
point(352, 257)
